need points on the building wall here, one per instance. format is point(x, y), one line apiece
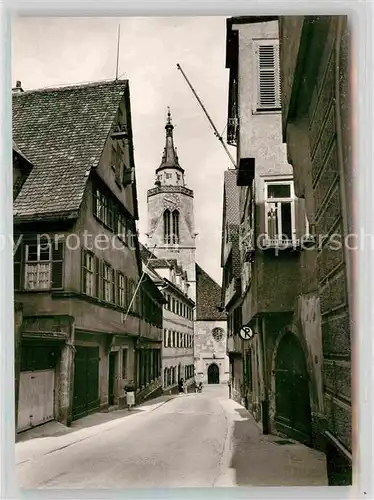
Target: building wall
point(261, 137)
point(283, 288)
point(91, 230)
point(270, 154)
point(176, 356)
point(104, 169)
point(321, 133)
point(208, 350)
point(18, 318)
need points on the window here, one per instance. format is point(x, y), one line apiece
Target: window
point(167, 237)
point(43, 265)
point(218, 333)
point(38, 266)
point(121, 289)
point(124, 363)
point(175, 238)
point(88, 269)
point(280, 211)
point(103, 209)
point(122, 229)
point(168, 176)
point(117, 161)
point(268, 75)
point(108, 283)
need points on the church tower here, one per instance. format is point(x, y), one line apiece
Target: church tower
point(171, 226)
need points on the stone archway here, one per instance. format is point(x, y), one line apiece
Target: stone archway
point(213, 374)
point(292, 398)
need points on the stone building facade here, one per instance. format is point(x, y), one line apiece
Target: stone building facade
point(172, 236)
point(315, 71)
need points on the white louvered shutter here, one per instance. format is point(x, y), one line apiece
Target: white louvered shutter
point(268, 84)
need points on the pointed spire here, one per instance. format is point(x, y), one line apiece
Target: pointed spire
point(169, 157)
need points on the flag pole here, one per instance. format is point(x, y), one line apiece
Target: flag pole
point(118, 39)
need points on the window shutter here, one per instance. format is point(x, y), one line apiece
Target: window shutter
point(57, 265)
point(269, 95)
point(83, 258)
point(116, 295)
point(98, 285)
point(17, 266)
point(114, 285)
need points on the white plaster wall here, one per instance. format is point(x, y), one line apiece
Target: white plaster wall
point(206, 347)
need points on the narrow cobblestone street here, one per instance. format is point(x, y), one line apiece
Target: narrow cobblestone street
point(194, 440)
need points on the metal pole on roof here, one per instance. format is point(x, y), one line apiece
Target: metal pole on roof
point(216, 133)
point(118, 38)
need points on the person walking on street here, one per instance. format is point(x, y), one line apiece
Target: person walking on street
point(185, 387)
point(180, 385)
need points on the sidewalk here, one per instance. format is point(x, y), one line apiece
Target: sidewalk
point(254, 459)
point(52, 436)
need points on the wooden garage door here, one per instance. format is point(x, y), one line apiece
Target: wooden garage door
point(36, 398)
point(86, 381)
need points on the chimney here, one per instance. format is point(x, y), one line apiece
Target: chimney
point(18, 88)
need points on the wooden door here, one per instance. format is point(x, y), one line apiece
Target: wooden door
point(293, 413)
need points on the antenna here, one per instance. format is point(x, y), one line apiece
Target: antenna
point(216, 133)
point(118, 38)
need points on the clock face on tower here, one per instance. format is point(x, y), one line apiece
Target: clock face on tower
point(171, 201)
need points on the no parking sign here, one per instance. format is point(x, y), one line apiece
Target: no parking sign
point(246, 333)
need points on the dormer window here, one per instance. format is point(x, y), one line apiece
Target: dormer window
point(119, 131)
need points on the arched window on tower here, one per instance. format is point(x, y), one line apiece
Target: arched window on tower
point(167, 236)
point(175, 227)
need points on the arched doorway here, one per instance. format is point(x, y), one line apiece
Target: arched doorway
point(213, 374)
point(292, 404)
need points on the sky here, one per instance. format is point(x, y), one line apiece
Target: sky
point(58, 51)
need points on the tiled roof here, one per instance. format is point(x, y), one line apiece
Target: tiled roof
point(62, 132)
point(153, 261)
point(145, 252)
point(231, 197)
point(208, 297)
point(20, 153)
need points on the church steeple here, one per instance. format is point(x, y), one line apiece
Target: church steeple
point(170, 169)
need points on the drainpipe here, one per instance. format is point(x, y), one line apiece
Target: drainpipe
point(265, 401)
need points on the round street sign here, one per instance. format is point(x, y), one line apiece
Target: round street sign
point(246, 333)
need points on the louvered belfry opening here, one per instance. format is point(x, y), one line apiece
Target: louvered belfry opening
point(167, 232)
point(269, 92)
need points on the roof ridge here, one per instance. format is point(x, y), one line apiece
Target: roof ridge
point(72, 86)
